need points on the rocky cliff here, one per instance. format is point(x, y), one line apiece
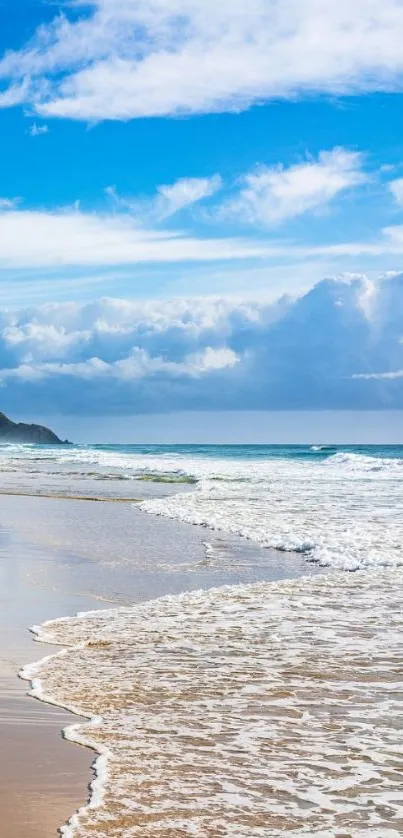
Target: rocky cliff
point(19, 432)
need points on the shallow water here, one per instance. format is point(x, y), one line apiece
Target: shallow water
point(258, 710)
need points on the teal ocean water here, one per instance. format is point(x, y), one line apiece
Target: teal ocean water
point(247, 452)
point(241, 452)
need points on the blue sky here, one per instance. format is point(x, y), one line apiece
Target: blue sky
point(213, 155)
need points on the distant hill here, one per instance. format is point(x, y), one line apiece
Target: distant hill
point(19, 432)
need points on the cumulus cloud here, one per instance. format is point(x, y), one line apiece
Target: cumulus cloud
point(321, 350)
point(271, 195)
point(139, 364)
point(123, 59)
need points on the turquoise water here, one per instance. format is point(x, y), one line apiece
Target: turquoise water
point(241, 452)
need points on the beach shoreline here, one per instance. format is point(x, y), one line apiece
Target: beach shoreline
point(57, 559)
point(309, 701)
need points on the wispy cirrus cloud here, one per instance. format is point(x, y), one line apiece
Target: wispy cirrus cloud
point(34, 238)
point(14, 94)
point(133, 231)
point(169, 198)
point(184, 193)
point(393, 375)
point(122, 59)
point(272, 195)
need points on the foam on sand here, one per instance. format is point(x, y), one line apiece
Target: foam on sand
point(245, 711)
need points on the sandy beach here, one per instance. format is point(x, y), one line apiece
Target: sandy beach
point(42, 777)
point(59, 557)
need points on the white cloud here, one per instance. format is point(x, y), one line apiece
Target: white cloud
point(37, 130)
point(272, 195)
point(322, 350)
point(136, 366)
point(33, 239)
point(213, 359)
point(67, 238)
point(379, 376)
point(15, 94)
point(125, 59)
point(131, 233)
point(7, 203)
point(35, 340)
point(170, 198)
point(394, 235)
point(184, 193)
point(396, 188)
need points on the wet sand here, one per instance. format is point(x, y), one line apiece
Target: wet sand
point(42, 778)
point(61, 556)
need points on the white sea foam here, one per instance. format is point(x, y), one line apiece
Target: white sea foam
point(345, 511)
point(361, 463)
point(249, 711)
point(81, 461)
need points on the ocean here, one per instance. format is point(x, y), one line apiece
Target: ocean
point(263, 709)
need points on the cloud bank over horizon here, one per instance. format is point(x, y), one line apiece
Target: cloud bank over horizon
point(339, 346)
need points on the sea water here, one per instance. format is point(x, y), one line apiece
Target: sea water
point(268, 709)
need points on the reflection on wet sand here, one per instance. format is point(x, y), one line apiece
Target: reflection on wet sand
point(42, 778)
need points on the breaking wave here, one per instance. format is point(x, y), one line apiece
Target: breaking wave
point(345, 511)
